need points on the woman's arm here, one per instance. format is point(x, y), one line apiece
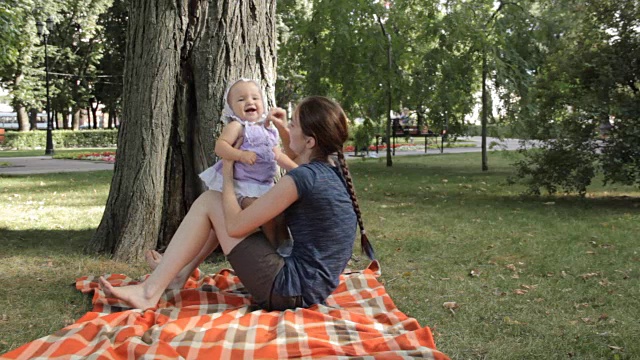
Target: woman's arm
point(241, 222)
point(224, 145)
point(283, 160)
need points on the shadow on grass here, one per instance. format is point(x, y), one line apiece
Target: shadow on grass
point(44, 242)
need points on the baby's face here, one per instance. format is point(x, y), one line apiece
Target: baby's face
point(245, 99)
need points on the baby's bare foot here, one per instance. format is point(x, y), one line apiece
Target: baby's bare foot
point(133, 295)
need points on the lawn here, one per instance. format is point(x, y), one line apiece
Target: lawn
point(58, 153)
point(550, 277)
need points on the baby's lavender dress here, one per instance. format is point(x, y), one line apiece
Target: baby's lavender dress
point(251, 180)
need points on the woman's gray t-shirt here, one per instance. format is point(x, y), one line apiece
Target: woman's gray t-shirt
point(323, 224)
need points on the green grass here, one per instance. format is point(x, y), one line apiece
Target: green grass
point(433, 220)
point(58, 153)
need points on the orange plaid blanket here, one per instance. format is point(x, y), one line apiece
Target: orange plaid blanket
point(212, 318)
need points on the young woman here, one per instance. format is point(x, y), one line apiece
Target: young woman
point(320, 209)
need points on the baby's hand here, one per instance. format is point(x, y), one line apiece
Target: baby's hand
point(277, 116)
point(248, 157)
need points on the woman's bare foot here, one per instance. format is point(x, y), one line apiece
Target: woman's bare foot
point(133, 295)
point(153, 260)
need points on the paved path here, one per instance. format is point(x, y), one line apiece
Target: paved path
point(505, 144)
point(45, 164)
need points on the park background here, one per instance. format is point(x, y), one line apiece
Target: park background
point(538, 247)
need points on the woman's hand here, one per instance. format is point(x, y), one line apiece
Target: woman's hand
point(278, 117)
point(227, 170)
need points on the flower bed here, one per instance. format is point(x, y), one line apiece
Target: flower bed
point(398, 147)
point(107, 156)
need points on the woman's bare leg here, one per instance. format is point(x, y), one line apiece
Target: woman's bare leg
point(192, 236)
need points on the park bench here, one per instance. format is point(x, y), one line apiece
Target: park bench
point(406, 131)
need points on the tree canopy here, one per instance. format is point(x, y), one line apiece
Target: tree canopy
point(560, 71)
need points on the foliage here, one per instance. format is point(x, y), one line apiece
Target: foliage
point(108, 87)
point(590, 75)
point(363, 134)
point(621, 154)
point(568, 162)
point(61, 138)
point(75, 46)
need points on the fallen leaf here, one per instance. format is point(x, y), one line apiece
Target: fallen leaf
point(474, 273)
point(589, 275)
point(450, 305)
point(550, 203)
point(498, 292)
point(5, 317)
point(520, 291)
point(617, 348)
point(511, 267)
point(509, 321)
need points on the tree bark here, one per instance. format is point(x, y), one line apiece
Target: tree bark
point(111, 117)
point(23, 118)
point(26, 121)
point(180, 57)
point(94, 113)
point(65, 120)
point(75, 120)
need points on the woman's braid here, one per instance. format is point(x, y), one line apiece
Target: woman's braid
point(364, 241)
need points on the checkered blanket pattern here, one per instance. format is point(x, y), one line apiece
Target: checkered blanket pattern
point(212, 318)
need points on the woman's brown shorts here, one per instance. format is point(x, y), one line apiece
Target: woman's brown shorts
point(257, 263)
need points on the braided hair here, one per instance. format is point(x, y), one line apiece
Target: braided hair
point(325, 121)
point(366, 246)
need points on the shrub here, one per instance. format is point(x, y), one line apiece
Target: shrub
point(362, 135)
point(61, 138)
point(569, 162)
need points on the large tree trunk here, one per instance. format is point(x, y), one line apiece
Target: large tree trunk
point(179, 61)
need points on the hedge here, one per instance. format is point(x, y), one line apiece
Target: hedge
point(61, 138)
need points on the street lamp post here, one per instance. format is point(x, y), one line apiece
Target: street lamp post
point(45, 37)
